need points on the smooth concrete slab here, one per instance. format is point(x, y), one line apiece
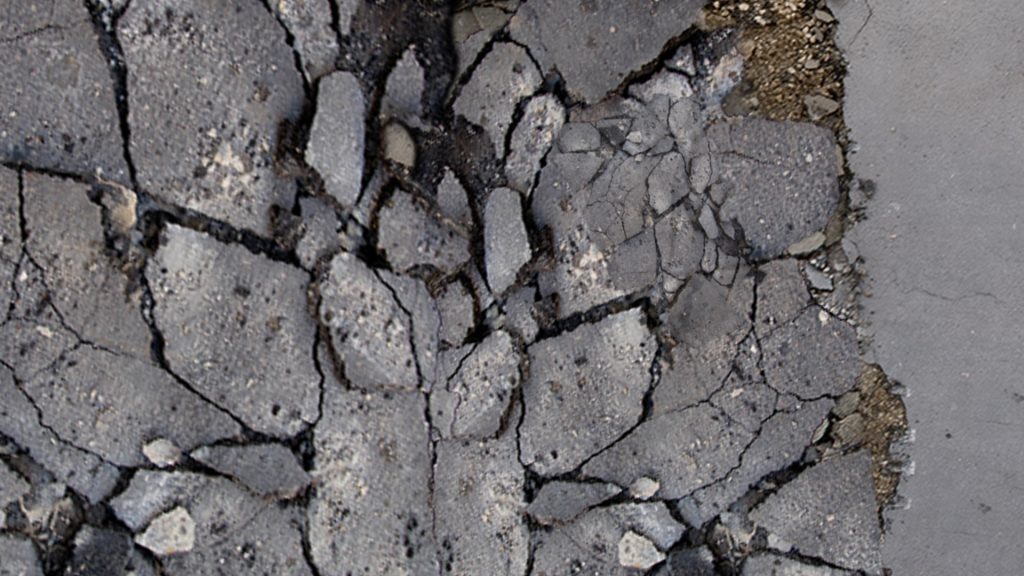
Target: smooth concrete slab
point(934, 101)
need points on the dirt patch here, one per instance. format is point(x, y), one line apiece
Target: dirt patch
point(885, 422)
point(793, 69)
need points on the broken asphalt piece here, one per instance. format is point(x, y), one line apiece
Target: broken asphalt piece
point(173, 532)
point(336, 140)
point(828, 512)
point(371, 511)
point(309, 22)
point(481, 484)
point(208, 86)
point(411, 235)
point(452, 200)
point(812, 356)
point(819, 106)
point(455, 306)
point(370, 332)
point(779, 180)
point(236, 327)
point(233, 531)
point(266, 469)
point(532, 138)
point(403, 93)
point(503, 78)
point(474, 26)
point(593, 540)
point(477, 387)
point(690, 562)
point(585, 390)
point(597, 44)
point(506, 243)
point(60, 111)
point(320, 232)
point(638, 552)
point(83, 471)
point(559, 502)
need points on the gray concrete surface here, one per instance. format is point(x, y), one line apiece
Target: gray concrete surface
point(933, 100)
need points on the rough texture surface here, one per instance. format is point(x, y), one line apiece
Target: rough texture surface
point(336, 138)
point(208, 85)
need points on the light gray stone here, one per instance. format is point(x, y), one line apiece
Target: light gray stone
point(403, 92)
point(309, 22)
point(585, 389)
point(337, 137)
point(506, 243)
point(452, 200)
point(266, 469)
point(172, 532)
point(19, 555)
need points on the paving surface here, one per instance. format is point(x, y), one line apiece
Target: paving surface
point(479, 287)
point(933, 104)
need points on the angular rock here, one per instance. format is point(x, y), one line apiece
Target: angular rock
point(19, 555)
point(591, 541)
point(266, 469)
point(814, 355)
point(112, 406)
point(170, 533)
point(779, 180)
point(668, 184)
point(455, 305)
point(474, 26)
point(99, 551)
point(585, 389)
point(371, 512)
point(506, 243)
point(644, 488)
point(559, 502)
point(829, 512)
point(504, 77)
point(83, 471)
point(480, 484)
point(807, 245)
point(60, 109)
point(370, 332)
point(452, 200)
point(683, 61)
point(479, 380)
point(412, 235)
point(337, 138)
point(162, 453)
point(683, 451)
point(403, 92)
point(309, 22)
point(236, 326)
point(88, 291)
point(208, 86)
point(595, 45)
point(532, 138)
point(234, 530)
point(638, 552)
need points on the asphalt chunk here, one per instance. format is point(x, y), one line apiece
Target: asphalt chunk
point(208, 87)
point(337, 137)
point(236, 326)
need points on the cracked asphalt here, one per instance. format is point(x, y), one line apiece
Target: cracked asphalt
point(480, 287)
